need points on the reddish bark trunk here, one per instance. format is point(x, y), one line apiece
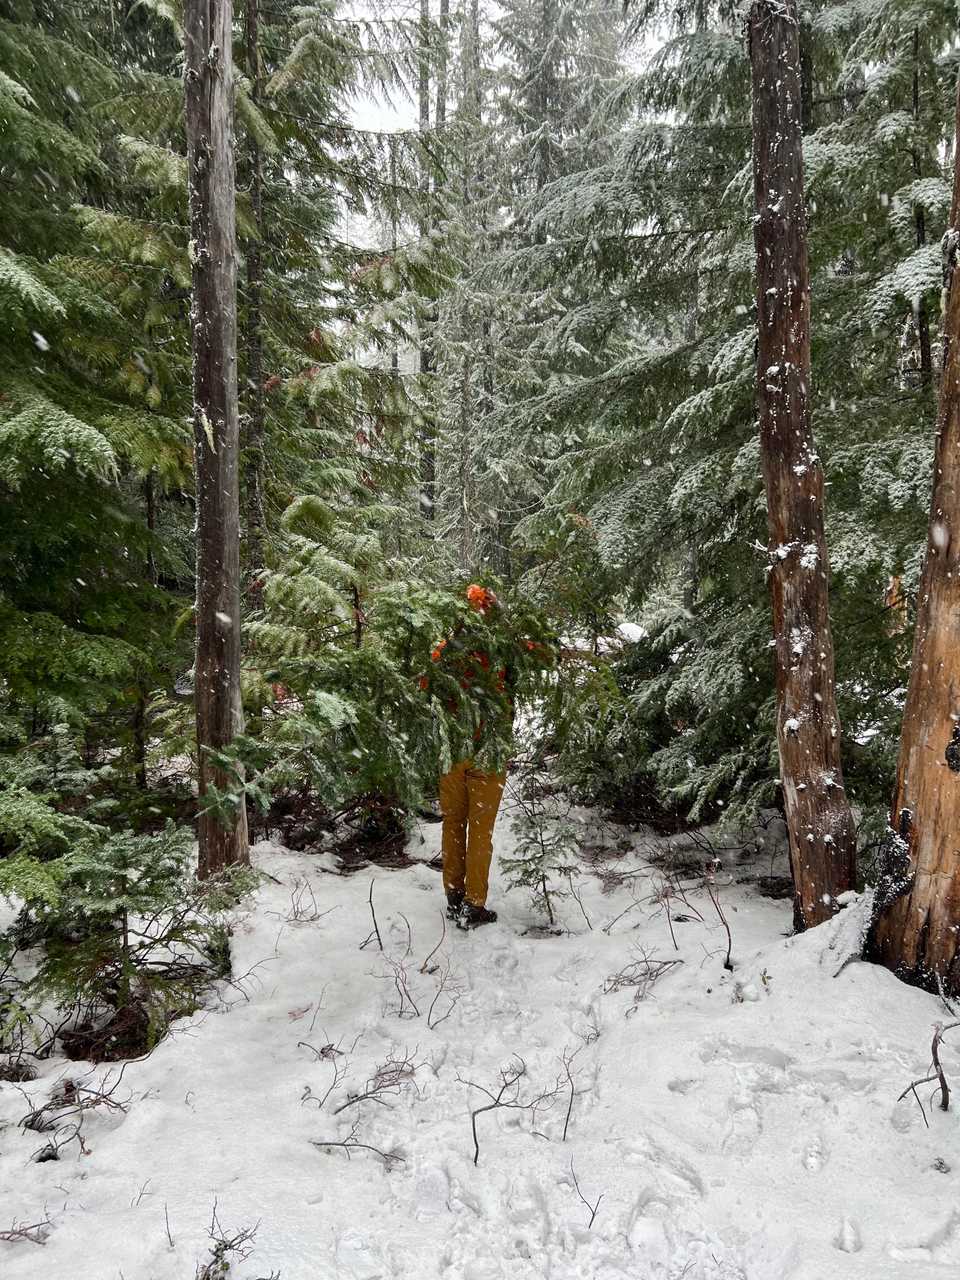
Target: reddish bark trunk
point(918, 927)
point(209, 112)
point(822, 837)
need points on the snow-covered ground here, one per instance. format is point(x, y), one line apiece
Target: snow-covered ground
point(738, 1126)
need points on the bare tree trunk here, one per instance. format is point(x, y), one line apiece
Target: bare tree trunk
point(918, 927)
point(253, 392)
point(140, 708)
point(209, 112)
point(472, 103)
point(822, 837)
point(441, 110)
point(922, 317)
point(428, 443)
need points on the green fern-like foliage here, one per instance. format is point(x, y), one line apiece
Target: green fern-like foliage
point(635, 395)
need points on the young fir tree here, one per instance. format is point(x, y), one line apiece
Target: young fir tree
point(656, 390)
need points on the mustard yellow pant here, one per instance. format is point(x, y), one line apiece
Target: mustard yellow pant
point(469, 800)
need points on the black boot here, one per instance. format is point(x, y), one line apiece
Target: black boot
point(454, 904)
point(473, 916)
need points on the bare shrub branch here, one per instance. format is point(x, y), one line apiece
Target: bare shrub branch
point(240, 1244)
point(303, 905)
point(425, 967)
point(407, 1007)
point(507, 1098)
point(448, 987)
point(641, 974)
point(710, 884)
point(937, 1072)
point(351, 1144)
point(388, 1080)
point(35, 1232)
point(376, 927)
point(591, 1208)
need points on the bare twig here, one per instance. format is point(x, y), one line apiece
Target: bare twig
point(141, 1194)
point(662, 896)
point(607, 927)
point(387, 1081)
point(409, 949)
point(62, 1116)
point(35, 1232)
point(709, 883)
point(937, 1073)
point(376, 927)
point(425, 967)
point(592, 1208)
point(641, 974)
point(912, 1088)
point(329, 1053)
point(449, 987)
point(578, 899)
point(303, 905)
point(682, 895)
point(568, 1058)
point(351, 1144)
point(218, 1264)
point(935, 1054)
point(408, 1006)
point(506, 1098)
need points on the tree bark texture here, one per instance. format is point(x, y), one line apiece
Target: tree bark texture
point(210, 156)
point(473, 114)
point(822, 837)
point(253, 393)
point(918, 926)
point(428, 441)
point(920, 224)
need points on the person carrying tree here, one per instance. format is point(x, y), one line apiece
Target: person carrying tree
point(470, 793)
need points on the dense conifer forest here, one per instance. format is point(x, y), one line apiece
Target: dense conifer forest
point(564, 392)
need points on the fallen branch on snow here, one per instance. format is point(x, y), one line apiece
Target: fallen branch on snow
point(35, 1232)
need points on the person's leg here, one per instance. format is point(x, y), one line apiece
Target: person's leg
point(485, 791)
point(453, 806)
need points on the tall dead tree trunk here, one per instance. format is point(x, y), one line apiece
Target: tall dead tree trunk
point(917, 930)
point(822, 838)
point(472, 108)
point(213, 321)
point(254, 416)
point(428, 443)
point(444, 28)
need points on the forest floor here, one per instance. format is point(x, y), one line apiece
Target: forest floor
point(735, 1125)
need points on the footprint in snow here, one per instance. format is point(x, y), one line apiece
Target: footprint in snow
point(756, 1055)
point(683, 1084)
point(815, 1154)
point(939, 1243)
point(848, 1238)
point(676, 1177)
point(743, 1127)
